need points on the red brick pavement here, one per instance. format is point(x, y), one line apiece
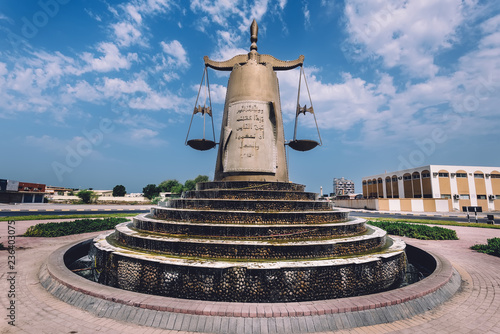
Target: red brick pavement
point(475, 309)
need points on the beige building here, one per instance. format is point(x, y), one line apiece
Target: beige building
point(455, 186)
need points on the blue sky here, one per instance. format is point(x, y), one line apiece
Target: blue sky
point(99, 93)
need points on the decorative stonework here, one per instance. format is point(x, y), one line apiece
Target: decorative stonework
point(216, 250)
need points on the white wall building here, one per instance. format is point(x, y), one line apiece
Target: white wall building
point(459, 185)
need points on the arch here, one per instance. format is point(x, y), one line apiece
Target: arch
point(495, 187)
point(462, 182)
point(461, 178)
point(395, 187)
point(407, 186)
point(388, 187)
point(380, 188)
point(444, 183)
point(426, 184)
point(480, 186)
point(417, 188)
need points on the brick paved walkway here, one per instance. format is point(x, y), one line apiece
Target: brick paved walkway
point(474, 309)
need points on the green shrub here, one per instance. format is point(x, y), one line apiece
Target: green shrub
point(416, 231)
point(72, 227)
point(87, 196)
point(492, 248)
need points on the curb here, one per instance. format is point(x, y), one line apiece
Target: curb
point(371, 309)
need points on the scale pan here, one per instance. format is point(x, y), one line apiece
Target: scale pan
point(201, 144)
point(303, 145)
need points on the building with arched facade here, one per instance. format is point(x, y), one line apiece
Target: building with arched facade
point(459, 185)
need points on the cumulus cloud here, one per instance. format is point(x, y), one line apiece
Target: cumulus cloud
point(82, 90)
point(405, 35)
point(115, 87)
point(160, 101)
point(178, 56)
point(145, 137)
point(126, 33)
point(112, 60)
point(230, 14)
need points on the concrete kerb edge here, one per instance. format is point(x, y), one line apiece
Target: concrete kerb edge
point(58, 272)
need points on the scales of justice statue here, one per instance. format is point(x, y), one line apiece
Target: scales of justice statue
point(252, 141)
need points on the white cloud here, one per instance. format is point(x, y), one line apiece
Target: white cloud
point(93, 15)
point(217, 93)
point(139, 134)
point(178, 56)
point(156, 101)
point(126, 34)
point(3, 68)
point(307, 16)
point(218, 11)
point(112, 59)
point(227, 46)
point(406, 35)
point(134, 13)
point(84, 91)
point(114, 87)
point(138, 120)
point(145, 137)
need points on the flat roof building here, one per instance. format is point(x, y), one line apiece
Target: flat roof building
point(342, 187)
point(21, 192)
point(461, 185)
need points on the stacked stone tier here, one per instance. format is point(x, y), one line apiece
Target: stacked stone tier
point(147, 224)
point(251, 185)
point(255, 249)
point(249, 217)
point(248, 242)
point(275, 205)
point(252, 194)
point(252, 191)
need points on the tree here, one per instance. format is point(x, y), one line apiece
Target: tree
point(168, 185)
point(150, 191)
point(119, 191)
point(201, 178)
point(177, 189)
point(87, 196)
point(189, 185)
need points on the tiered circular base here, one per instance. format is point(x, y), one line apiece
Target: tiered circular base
point(249, 242)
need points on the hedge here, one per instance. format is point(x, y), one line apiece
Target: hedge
point(72, 227)
point(416, 231)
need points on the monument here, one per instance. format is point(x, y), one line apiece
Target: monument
point(250, 235)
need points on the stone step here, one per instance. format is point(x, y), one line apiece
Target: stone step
point(249, 217)
point(373, 239)
point(247, 205)
point(248, 232)
point(250, 185)
point(252, 194)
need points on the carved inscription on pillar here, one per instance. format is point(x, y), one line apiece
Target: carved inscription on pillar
point(250, 146)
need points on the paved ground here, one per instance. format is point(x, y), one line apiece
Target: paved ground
point(475, 309)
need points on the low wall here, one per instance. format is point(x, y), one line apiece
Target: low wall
point(396, 204)
point(370, 204)
point(102, 199)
